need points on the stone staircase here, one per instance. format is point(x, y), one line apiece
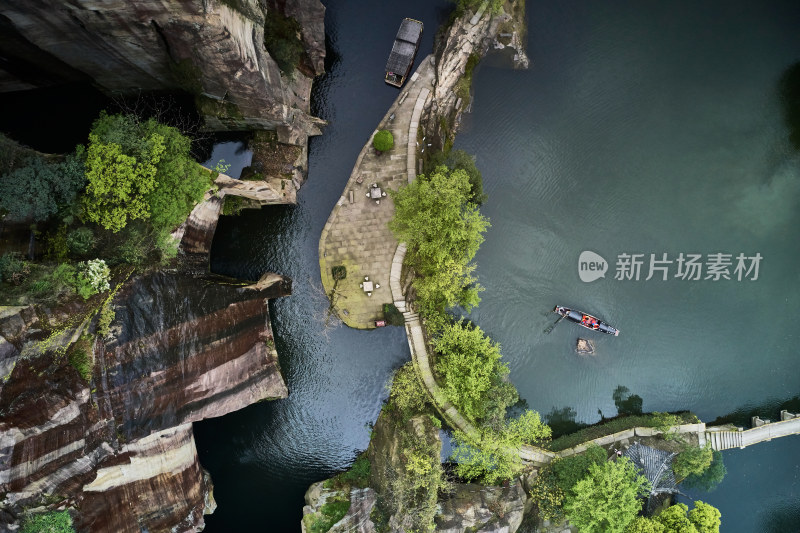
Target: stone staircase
point(724, 440)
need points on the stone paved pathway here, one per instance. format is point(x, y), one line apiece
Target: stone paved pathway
point(422, 365)
point(356, 234)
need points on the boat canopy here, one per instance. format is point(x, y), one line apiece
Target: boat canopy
point(605, 328)
point(404, 47)
point(575, 316)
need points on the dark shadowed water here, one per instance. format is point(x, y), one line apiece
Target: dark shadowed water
point(263, 458)
point(761, 492)
point(642, 127)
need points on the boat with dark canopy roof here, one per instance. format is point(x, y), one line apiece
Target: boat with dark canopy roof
point(586, 320)
point(404, 50)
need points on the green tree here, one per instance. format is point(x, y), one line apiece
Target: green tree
point(461, 160)
point(528, 428)
point(705, 517)
point(180, 181)
point(664, 422)
point(49, 522)
point(711, 477)
point(494, 456)
point(693, 460)
point(140, 170)
point(407, 394)
point(674, 520)
point(547, 494)
point(607, 499)
point(80, 241)
point(572, 469)
point(641, 524)
point(557, 478)
point(469, 364)
point(443, 231)
point(38, 189)
point(383, 141)
point(119, 182)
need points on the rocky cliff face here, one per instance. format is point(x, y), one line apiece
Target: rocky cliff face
point(479, 509)
point(463, 508)
point(472, 34)
point(119, 449)
point(214, 48)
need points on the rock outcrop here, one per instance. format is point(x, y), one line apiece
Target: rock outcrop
point(464, 508)
point(197, 234)
point(356, 520)
point(119, 449)
point(480, 509)
point(212, 48)
point(470, 35)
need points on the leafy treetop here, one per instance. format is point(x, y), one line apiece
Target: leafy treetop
point(607, 499)
point(39, 188)
point(469, 364)
point(693, 460)
point(140, 170)
point(443, 230)
point(494, 457)
point(704, 518)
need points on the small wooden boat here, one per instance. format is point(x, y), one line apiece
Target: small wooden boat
point(586, 320)
point(404, 50)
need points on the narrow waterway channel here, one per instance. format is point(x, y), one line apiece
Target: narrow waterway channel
point(263, 458)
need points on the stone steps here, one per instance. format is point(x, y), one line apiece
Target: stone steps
point(724, 440)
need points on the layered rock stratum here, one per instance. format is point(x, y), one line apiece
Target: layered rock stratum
point(118, 449)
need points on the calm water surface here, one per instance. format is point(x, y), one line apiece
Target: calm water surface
point(645, 127)
point(642, 127)
point(761, 492)
point(262, 459)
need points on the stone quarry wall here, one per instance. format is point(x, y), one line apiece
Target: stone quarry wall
point(119, 449)
point(209, 47)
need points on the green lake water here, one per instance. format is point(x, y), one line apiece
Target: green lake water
point(641, 127)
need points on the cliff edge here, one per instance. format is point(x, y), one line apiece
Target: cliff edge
point(214, 49)
point(114, 443)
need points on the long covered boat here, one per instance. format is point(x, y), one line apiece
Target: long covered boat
point(586, 320)
point(404, 50)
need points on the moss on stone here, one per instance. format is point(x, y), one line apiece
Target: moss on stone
point(222, 109)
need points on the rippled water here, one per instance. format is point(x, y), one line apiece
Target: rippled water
point(761, 492)
point(643, 127)
point(263, 458)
